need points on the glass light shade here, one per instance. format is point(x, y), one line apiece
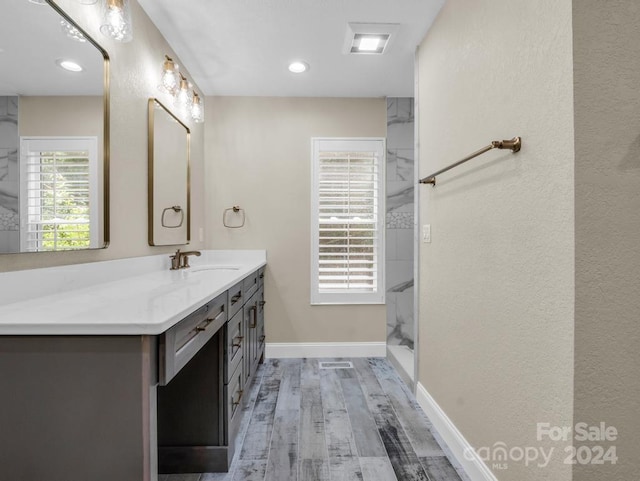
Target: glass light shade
point(116, 20)
point(170, 77)
point(197, 110)
point(183, 97)
point(71, 31)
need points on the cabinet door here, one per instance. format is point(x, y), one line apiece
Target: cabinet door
point(260, 337)
point(251, 335)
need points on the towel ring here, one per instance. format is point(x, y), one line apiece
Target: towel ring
point(174, 208)
point(228, 214)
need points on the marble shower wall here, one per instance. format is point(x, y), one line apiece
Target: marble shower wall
point(399, 221)
point(9, 173)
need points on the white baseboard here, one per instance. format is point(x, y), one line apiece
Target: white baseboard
point(459, 446)
point(325, 349)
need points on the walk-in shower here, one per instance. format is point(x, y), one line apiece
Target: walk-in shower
point(400, 235)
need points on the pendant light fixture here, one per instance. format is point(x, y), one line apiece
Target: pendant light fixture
point(116, 20)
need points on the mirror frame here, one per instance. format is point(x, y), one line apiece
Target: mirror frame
point(106, 141)
point(151, 112)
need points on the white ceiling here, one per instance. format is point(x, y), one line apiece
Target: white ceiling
point(243, 47)
point(31, 40)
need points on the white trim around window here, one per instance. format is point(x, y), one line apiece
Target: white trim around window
point(59, 193)
point(347, 220)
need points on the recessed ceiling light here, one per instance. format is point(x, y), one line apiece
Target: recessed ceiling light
point(69, 65)
point(298, 66)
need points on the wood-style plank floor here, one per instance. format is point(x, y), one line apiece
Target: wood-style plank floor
point(304, 423)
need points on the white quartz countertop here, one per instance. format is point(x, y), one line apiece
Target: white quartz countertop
point(124, 297)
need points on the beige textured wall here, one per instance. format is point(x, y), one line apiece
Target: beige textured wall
point(607, 174)
point(44, 116)
point(258, 156)
point(496, 283)
point(135, 70)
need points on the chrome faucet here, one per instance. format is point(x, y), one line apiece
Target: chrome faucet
point(180, 260)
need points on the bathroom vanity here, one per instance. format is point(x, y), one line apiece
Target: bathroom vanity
point(118, 369)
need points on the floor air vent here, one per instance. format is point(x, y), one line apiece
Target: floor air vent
point(336, 365)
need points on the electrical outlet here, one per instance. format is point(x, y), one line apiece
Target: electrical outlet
point(426, 233)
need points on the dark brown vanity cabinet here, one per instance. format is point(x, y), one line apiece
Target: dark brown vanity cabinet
point(200, 407)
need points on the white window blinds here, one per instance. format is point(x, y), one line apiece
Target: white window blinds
point(348, 221)
point(59, 194)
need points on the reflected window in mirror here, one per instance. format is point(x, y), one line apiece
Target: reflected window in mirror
point(41, 100)
point(59, 202)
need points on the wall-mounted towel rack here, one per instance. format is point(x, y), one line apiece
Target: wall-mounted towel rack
point(514, 145)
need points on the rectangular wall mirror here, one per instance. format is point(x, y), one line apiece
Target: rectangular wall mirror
point(169, 183)
point(54, 132)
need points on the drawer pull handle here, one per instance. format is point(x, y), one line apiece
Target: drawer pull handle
point(209, 320)
point(262, 338)
point(236, 298)
point(235, 403)
point(239, 344)
point(204, 326)
point(261, 276)
point(262, 303)
point(254, 315)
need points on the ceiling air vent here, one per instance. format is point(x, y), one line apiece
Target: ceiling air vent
point(369, 38)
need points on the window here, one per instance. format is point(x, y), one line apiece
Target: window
point(59, 200)
point(347, 221)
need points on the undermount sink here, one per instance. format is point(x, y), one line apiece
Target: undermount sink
point(212, 268)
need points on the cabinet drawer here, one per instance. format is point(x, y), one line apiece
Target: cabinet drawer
point(236, 298)
point(234, 346)
point(180, 343)
point(250, 284)
point(233, 393)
